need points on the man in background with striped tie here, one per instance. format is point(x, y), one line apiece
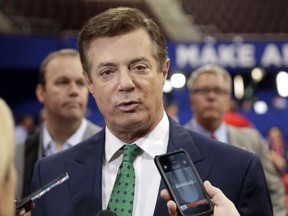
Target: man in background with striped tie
point(210, 91)
point(125, 63)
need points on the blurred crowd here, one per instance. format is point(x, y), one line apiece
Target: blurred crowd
point(275, 140)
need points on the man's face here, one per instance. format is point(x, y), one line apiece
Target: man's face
point(126, 82)
point(210, 98)
point(65, 95)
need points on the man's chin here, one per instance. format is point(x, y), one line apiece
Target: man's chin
point(73, 116)
point(129, 122)
point(211, 117)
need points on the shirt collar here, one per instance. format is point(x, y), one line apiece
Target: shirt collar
point(221, 133)
point(153, 144)
point(74, 139)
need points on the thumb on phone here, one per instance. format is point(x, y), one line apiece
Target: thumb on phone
point(223, 206)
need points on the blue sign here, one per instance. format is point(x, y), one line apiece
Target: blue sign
point(231, 55)
point(27, 52)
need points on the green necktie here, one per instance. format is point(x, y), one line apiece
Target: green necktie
point(122, 196)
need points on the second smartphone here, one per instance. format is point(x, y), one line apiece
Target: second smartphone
point(184, 183)
point(40, 192)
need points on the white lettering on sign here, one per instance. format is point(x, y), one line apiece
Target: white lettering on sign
point(226, 55)
point(187, 55)
point(246, 55)
point(231, 55)
point(271, 56)
point(209, 55)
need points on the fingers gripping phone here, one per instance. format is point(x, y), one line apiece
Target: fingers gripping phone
point(41, 191)
point(184, 183)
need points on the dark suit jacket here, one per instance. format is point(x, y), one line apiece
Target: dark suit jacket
point(251, 140)
point(31, 150)
point(238, 173)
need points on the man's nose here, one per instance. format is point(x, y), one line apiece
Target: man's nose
point(211, 93)
point(126, 80)
point(74, 88)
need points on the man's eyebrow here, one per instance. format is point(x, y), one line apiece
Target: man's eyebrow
point(138, 60)
point(62, 77)
point(105, 64)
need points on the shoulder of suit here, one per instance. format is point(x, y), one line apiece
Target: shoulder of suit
point(93, 126)
point(188, 125)
point(243, 130)
point(246, 138)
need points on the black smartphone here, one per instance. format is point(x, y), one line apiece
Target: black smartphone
point(41, 191)
point(184, 183)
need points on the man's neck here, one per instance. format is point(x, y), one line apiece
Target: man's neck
point(61, 131)
point(210, 126)
point(134, 132)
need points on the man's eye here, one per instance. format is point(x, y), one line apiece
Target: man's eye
point(62, 82)
point(105, 72)
point(81, 83)
point(139, 67)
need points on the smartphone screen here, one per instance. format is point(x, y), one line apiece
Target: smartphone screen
point(41, 191)
point(184, 183)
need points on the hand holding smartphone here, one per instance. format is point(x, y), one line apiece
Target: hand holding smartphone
point(41, 191)
point(184, 183)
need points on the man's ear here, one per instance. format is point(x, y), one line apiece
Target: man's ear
point(165, 69)
point(40, 92)
point(88, 82)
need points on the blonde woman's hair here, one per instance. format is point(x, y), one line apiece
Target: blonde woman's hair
point(6, 139)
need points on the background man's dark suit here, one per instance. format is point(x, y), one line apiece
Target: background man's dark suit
point(31, 150)
point(237, 173)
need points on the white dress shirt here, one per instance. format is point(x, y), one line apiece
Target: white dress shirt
point(49, 146)
point(21, 134)
point(147, 177)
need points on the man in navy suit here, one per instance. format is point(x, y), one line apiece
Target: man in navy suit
point(125, 63)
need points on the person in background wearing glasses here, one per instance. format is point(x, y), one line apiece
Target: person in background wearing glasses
point(125, 64)
point(210, 91)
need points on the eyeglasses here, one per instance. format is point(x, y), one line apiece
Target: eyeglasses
point(206, 91)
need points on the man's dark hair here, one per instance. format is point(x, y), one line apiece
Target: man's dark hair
point(117, 21)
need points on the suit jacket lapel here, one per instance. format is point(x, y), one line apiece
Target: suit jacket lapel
point(181, 138)
point(89, 161)
point(86, 173)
